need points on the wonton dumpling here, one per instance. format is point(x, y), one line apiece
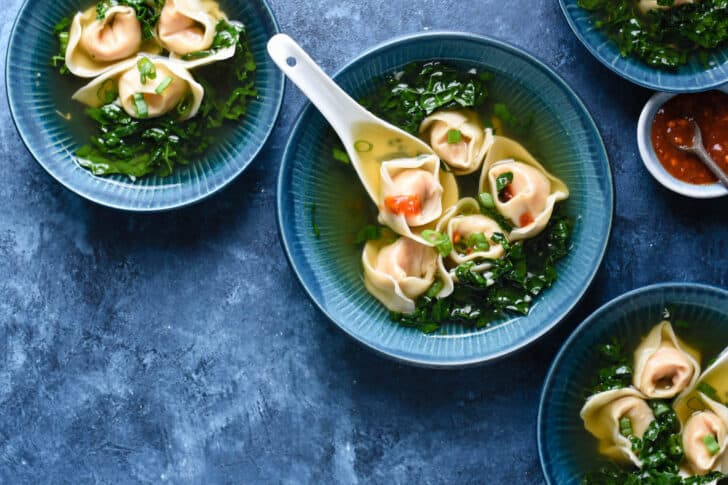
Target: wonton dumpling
point(96, 44)
point(187, 26)
point(465, 219)
point(663, 365)
point(466, 155)
point(531, 195)
point(647, 5)
point(413, 193)
point(398, 273)
point(124, 80)
point(714, 377)
point(712, 421)
point(601, 414)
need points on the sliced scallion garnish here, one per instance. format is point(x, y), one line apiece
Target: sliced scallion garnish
point(454, 136)
point(141, 105)
point(146, 70)
point(363, 146)
point(163, 85)
point(711, 444)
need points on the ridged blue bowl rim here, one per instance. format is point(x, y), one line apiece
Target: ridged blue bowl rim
point(280, 81)
point(450, 364)
point(643, 67)
point(583, 327)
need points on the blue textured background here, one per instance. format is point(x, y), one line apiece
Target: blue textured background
point(179, 347)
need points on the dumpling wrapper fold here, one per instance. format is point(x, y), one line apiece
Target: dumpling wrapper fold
point(187, 26)
point(535, 190)
point(95, 45)
point(397, 274)
point(421, 177)
point(465, 156)
point(126, 79)
point(713, 420)
point(601, 414)
point(465, 219)
point(664, 366)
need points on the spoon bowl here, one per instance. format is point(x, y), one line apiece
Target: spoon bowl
point(367, 139)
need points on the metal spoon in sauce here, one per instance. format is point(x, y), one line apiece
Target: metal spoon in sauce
point(697, 148)
point(367, 139)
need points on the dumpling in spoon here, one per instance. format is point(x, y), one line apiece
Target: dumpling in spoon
point(612, 417)
point(146, 87)
point(412, 195)
point(663, 365)
point(458, 138)
point(705, 439)
point(397, 274)
point(187, 26)
point(471, 234)
point(522, 189)
point(96, 44)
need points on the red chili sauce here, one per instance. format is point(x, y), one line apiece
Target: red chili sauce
point(672, 126)
point(409, 205)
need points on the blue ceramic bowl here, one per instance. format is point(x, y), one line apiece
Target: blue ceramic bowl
point(566, 450)
point(565, 138)
point(692, 77)
point(37, 94)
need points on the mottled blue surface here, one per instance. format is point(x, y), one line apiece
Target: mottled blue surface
point(179, 347)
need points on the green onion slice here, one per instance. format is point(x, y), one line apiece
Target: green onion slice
point(107, 92)
point(486, 200)
point(363, 146)
point(441, 241)
point(141, 105)
point(164, 85)
point(340, 155)
point(454, 136)
point(146, 70)
point(711, 444)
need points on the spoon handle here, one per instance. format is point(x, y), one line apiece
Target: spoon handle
point(705, 157)
point(339, 109)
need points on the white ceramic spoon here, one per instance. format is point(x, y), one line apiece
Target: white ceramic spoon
point(367, 139)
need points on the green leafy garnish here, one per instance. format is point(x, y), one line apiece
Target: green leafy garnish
point(454, 136)
point(226, 35)
point(146, 69)
point(147, 12)
point(615, 369)
point(138, 147)
point(509, 286)
point(502, 181)
point(518, 126)
point(665, 39)
point(163, 85)
point(340, 155)
point(487, 207)
point(661, 452)
point(441, 241)
point(141, 105)
point(408, 97)
point(60, 30)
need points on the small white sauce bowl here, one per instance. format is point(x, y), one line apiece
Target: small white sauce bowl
point(649, 157)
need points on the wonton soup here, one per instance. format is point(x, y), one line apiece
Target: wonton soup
point(470, 231)
point(160, 79)
point(658, 410)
